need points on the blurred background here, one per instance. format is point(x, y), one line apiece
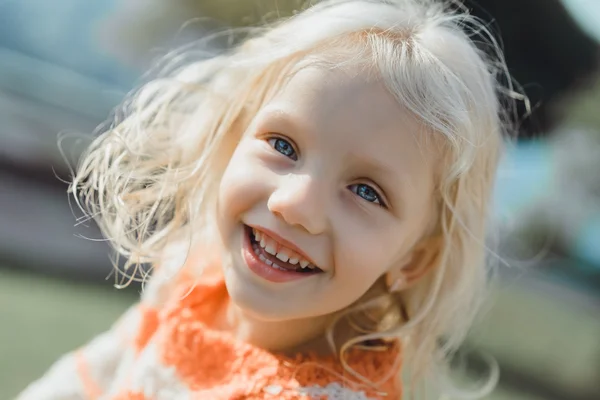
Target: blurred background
point(65, 64)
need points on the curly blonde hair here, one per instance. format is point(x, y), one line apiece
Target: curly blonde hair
point(153, 174)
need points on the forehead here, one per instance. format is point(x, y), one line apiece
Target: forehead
point(341, 98)
point(352, 110)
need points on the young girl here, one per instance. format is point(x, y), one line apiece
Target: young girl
point(312, 204)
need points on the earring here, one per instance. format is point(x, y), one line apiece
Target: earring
point(397, 285)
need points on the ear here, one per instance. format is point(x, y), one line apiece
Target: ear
point(421, 259)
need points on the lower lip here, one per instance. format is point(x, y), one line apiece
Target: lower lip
point(263, 270)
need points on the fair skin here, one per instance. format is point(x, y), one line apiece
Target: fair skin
point(335, 167)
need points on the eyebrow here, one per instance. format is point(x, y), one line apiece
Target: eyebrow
point(372, 164)
point(279, 117)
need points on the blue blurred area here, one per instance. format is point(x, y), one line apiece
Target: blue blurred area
point(62, 33)
point(50, 55)
point(524, 175)
point(587, 13)
point(587, 242)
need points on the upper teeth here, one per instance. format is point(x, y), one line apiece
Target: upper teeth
point(282, 255)
point(281, 252)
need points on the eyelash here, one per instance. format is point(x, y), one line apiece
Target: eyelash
point(354, 188)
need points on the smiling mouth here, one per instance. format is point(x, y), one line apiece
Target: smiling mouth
point(278, 256)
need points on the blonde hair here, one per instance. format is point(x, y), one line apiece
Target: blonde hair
point(153, 174)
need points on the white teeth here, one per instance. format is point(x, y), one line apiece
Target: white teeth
point(282, 256)
point(269, 248)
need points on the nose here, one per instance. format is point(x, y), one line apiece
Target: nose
point(300, 201)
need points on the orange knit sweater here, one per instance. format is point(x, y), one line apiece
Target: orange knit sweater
point(172, 352)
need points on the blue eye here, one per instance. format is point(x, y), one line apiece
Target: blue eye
point(284, 147)
point(367, 193)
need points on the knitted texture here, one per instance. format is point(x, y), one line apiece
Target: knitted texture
point(172, 351)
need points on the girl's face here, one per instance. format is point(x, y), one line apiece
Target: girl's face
point(329, 188)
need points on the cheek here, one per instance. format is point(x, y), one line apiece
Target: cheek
point(242, 185)
point(365, 253)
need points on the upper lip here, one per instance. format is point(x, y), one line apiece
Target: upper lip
point(285, 242)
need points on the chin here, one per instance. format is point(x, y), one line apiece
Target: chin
point(268, 305)
point(255, 300)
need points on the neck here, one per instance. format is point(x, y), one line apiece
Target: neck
point(289, 336)
point(282, 336)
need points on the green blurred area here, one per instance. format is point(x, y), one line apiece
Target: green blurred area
point(581, 108)
point(43, 318)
